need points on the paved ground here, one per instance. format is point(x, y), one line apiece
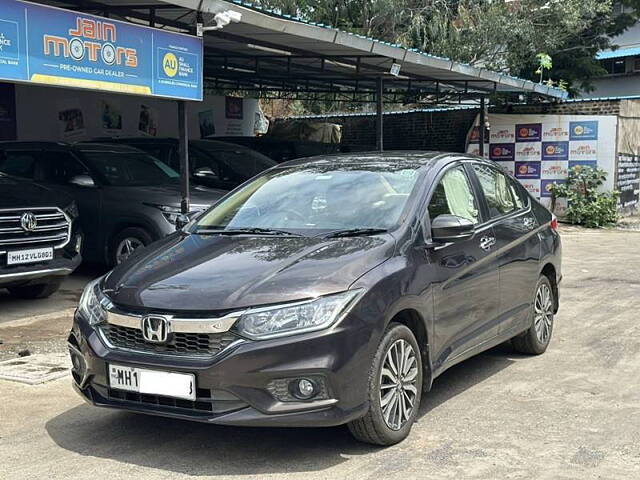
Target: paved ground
point(67, 297)
point(573, 413)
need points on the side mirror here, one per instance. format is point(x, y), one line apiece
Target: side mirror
point(449, 228)
point(181, 221)
point(82, 181)
point(205, 172)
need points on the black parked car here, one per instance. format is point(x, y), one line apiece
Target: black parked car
point(213, 164)
point(282, 150)
point(324, 292)
point(127, 199)
point(40, 239)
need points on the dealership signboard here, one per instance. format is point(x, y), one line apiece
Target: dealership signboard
point(539, 150)
point(51, 46)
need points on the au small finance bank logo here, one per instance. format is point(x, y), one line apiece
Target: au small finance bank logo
point(170, 64)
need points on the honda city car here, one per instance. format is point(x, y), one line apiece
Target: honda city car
point(326, 291)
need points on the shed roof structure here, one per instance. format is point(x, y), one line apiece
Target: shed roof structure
point(274, 56)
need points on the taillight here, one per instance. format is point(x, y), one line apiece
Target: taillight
point(554, 223)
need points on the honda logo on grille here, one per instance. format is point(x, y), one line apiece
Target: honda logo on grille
point(155, 329)
point(28, 222)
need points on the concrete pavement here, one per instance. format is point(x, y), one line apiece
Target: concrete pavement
point(572, 413)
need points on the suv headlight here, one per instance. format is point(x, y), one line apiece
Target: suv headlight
point(172, 213)
point(295, 318)
point(72, 210)
point(92, 303)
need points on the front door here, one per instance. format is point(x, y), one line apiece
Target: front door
point(56, 168)
point(465, 289)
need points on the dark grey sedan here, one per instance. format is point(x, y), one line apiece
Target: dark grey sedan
point(127, 199)
point(326, 291)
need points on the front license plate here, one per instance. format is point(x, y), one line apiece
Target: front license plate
point(33, 255)
point(153, 382)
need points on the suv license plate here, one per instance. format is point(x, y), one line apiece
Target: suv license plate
point(33, 255)
point(153, 382)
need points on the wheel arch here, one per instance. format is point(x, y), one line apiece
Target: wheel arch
point(549, 271)
point(414, 321)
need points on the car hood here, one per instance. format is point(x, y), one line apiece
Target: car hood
point(166, 194)
point(218, 273)
point(16, 193)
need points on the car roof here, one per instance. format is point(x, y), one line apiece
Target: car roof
point(105, 147)
point(410, 158)
point(165, 140)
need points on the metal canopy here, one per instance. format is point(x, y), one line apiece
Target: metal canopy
point(272, 56)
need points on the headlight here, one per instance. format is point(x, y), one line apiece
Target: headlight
point(72, 210)
point(172, 213)
point(92, 303)
point(294, 318)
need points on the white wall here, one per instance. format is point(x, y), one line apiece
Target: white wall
point(39, 109)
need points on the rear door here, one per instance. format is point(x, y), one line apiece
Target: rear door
point(517, 243)
point(466, 286)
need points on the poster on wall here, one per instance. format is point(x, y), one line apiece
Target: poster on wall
point(148, 121)
point(628, 182)
point(111, 118)
point(71, 120)
point(539, 150)
point(233, 108)
point(207, 125)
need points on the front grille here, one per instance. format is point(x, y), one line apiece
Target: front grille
point(52, 229)
point(178, 344)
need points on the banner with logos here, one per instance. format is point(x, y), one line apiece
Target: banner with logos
point(539, 150)
point(52, 46)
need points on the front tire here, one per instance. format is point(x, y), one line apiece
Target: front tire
point(395, 389)
point(126, 242)
point(33, 292)
point(537, 338)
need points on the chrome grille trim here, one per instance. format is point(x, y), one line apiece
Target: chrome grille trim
point(123, 331)
point(177, 324)
point(56, 234)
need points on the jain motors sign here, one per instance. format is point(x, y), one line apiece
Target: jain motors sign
point(51, 46)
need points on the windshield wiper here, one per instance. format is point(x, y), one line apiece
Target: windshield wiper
point(354, 232)
point(242, 231)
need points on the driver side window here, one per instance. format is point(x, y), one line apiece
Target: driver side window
point(454, 196)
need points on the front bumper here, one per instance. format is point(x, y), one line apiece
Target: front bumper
point(38, 273)
point(235, 387)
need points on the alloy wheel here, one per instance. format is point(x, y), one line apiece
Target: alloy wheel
point(398, 384)
point(543, 313)
point(126, 247)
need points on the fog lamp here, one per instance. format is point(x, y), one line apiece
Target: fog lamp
point(304, 389)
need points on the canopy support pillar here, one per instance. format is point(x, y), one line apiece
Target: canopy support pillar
point(183, 152)
point(379, 114)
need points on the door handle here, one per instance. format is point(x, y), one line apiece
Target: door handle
point(487, 242)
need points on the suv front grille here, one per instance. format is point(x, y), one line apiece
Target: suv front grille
point(52, 229)
point(208, 344)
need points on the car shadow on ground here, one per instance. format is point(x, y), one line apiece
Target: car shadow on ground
point(210, 450)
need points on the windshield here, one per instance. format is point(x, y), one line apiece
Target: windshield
point(241, 164)
point(129, 169)
point(317, 197)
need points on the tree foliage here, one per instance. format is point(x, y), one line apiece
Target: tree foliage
point(503, 35)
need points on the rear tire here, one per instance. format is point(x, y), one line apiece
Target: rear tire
point(537, 338)
point(32, 292)
point(125, 243)
point(393, 404)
